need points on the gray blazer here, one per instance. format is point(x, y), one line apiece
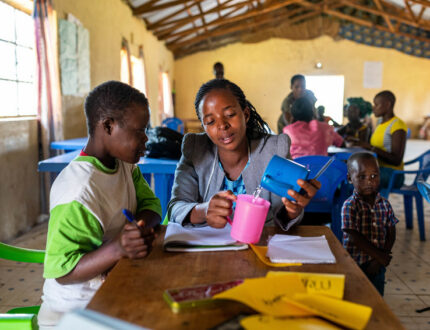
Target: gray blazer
point(198, 176)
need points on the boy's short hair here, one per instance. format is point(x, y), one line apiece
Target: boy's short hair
point(218, 65)
point(387, 95)
point(302, 110)
point(111, 99)
point(297, 77)
point(358, 156)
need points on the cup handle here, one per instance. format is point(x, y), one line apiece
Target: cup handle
point(229, 221)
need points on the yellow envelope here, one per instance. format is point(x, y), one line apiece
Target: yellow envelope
point(266, 322)
point(348, 314)
point(261, 252)
point(265, 295)
point(328, 284)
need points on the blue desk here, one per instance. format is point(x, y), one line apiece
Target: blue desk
point(162, 169)
point(69, 145)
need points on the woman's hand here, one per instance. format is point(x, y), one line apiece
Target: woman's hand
point(294, 208)
point(219, 208)
point(358, 143)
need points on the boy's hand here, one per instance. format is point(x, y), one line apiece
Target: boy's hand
point(135, 243)
point(373, 268)
point(294, 208)
point(385, 258)
point(219, 208)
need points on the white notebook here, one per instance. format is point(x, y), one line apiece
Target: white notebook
point(198, 239)
point(297, 249)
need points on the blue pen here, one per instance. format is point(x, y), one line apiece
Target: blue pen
point(129, 216)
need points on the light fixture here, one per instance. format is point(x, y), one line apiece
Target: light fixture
point(318, 65)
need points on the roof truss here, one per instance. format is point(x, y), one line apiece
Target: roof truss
point(194, 24)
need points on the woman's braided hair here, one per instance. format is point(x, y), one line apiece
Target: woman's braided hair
point(364, 106)
point(256, 127)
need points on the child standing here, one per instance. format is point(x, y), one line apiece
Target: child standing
point(87, 232)
point(368, 220)
point(229, 159)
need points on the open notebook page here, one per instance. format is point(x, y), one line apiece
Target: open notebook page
point(290, 249)
point(194, 239)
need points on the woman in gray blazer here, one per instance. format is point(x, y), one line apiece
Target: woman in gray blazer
point(233, 152)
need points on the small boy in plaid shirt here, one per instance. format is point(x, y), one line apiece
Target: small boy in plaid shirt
point(368, 220)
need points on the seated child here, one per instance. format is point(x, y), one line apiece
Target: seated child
point(356, 110)
point(229, 158)
point(87, 231)
point(368, 220)
point(327, 119)
point(309, 136)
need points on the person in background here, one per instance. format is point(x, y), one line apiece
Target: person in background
point(327, 119)
point(218, 70)
point(298, 89)
point(424, 132)
point(308, 135)
point(87, 232)
point(228, 159)
point(368, 220)
point(388, 141)
point(356, 110)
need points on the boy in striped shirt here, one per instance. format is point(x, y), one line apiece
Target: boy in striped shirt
point(368, 220)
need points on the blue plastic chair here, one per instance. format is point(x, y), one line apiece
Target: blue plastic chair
point(326, 201)
point(424, 189)
point(342, 156)
point(411, 191)
point(174, 123)
point(20, 318)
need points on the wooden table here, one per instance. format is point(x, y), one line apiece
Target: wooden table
point(133, 291)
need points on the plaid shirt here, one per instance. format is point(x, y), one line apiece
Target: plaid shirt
point(371, 221)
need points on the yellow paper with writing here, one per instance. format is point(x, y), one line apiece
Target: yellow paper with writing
point(348, 314)
point(261, 251)
point(267, 322)
point(332, 285)
point(265, 295)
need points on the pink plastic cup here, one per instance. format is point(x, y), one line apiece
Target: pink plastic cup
point(249, 219)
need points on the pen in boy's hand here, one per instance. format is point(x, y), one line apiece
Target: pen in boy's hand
point(129, 216)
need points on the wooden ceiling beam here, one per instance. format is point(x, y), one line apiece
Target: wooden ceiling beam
point(140, 11)
point(218, 11)
point(402, 19)
point(268, 20)
point(425, 3)
point(223, 21)
point(238, 27)
point(156, 24)
point(386, 18)
point(371, 25)
point(411, 13)
point(420, 15)
point(145, 6)
point(183, 21)
point(185, 35)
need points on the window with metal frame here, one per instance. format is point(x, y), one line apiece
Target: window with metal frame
point(17, 62)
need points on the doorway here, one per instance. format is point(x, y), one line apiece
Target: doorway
point(329, 93)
